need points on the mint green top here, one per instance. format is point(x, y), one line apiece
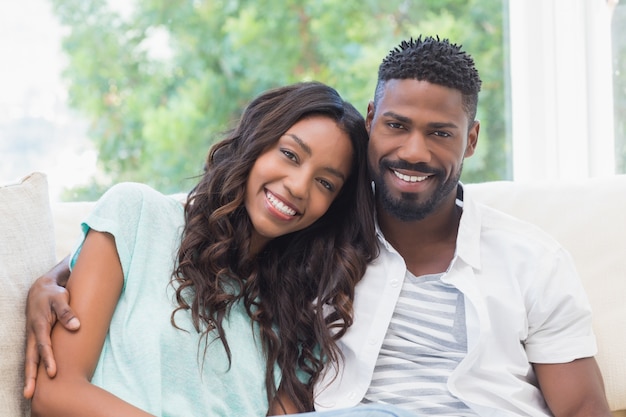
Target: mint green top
point(145, 360)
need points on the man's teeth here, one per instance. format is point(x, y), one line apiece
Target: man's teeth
point(280, 206)
point(409, 178)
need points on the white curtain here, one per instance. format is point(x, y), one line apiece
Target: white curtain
point(561, 89)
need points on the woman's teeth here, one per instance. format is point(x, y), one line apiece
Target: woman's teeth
point(279, 205)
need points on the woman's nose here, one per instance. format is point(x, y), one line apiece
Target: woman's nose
point(298, 185)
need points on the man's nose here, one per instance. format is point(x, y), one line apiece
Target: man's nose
point(415, 149)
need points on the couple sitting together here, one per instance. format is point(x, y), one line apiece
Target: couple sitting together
point(287, 283)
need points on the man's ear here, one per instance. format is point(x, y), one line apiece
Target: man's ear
point(370, 116)
point(472, 139)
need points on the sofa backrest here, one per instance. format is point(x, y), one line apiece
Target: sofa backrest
point(588, 217)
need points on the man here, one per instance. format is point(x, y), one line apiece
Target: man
point(466, 311)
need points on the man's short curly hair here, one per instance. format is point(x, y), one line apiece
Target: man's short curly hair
point(435, 61)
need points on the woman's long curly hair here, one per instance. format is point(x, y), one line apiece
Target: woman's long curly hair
point(300, 287)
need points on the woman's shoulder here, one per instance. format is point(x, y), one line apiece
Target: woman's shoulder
point(133, 197)
point(134, 192)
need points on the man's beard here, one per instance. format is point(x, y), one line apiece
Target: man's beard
point(407, 208)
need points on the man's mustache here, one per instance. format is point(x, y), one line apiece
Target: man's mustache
point(400, 164)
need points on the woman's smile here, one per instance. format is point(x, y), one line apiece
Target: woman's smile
point(283, 208)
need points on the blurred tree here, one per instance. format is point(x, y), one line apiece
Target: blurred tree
point(160, 80)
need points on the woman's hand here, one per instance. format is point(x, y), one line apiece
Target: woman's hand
point(282, 405)
point(47, 303)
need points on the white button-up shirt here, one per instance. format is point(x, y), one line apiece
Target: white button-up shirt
point(524, 304)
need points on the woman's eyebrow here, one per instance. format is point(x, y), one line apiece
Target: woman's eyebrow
point(300, 142)
point(336, 173)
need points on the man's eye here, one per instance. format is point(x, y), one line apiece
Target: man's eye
point(442, 134)
point(394, 125)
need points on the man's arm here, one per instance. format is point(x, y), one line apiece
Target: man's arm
point(573, 389)
point(47, 302)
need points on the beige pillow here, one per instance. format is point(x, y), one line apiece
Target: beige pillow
point(26, 251)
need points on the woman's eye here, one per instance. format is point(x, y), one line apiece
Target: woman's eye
point(289, 155)
point(327, 185)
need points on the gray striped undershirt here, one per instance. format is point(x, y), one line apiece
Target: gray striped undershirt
point(425, 341)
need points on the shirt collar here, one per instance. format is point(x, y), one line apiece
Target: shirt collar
point(468, 236)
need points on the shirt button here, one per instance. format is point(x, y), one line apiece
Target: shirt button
point(372, 341)
point(394, 283)
point(352, 395)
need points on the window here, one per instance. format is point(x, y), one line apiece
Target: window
point(556, 110)
point(561, 89)
point(38, 131)
point(618, 38)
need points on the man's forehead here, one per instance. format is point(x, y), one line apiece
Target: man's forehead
point(409, 99)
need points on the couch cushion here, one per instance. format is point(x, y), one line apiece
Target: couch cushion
point(67, 218)
point(588, 217)
point(26, 251)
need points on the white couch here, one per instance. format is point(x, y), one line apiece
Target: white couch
point(588, 217)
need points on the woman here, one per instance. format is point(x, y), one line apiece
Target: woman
point(231, 304)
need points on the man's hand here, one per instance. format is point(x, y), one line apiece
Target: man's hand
point(47, 302)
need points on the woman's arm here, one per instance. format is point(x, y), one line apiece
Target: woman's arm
point(96, 285)
point(47, 302)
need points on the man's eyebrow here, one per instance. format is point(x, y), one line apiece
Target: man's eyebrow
point(306, 148)
point(398, 117)
point(442, 125)
point(406, 120)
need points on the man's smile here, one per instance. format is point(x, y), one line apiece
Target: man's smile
point(409, 178)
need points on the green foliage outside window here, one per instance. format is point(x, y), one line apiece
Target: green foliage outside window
point(160, 82)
